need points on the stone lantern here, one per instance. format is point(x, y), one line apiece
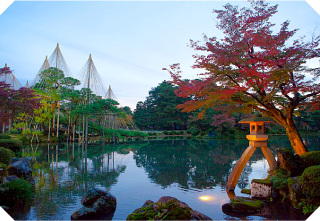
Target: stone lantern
point(257, 138)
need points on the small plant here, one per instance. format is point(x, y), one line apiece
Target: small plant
point(20, 189)
point(6, 155)
point(4, 136)
point(13, 145)
point(280, 178)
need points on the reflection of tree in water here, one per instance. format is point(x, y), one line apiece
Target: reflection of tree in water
point(62, 175)
point(191, 164)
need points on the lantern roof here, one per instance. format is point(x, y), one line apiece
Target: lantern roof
point(256, 118)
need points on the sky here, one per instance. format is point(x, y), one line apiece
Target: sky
point(130, 42)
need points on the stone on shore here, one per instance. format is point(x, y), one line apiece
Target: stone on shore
point(98, 204)
point(168, 208)
point(22, 169)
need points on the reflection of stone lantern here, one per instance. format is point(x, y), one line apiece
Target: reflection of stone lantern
point(257, 138)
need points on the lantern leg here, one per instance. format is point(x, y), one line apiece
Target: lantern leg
point(270, 158)
point(237, 170)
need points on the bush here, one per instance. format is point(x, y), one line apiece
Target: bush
point(6, 155)
point(24, 140)
point(166, 132)
point(310, 181)
point(13, 145)
point(311, 158)
point(172, 133)
point(280, 177)
point(19, 190)
point(4, 136)
point(3, 171)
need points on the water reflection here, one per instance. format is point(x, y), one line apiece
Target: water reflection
point(195, 172)
point(193, 164)
point(64, 172)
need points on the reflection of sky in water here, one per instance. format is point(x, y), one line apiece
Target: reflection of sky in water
point(158, 174)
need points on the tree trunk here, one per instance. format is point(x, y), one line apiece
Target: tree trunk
point(294, 137)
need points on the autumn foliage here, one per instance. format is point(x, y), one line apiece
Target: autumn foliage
point(14, 102)
point(253, 68)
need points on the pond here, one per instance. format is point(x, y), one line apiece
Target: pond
point(135, 172)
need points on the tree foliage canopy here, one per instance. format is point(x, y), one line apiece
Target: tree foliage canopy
point(253, 68)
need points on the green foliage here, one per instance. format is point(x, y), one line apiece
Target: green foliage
point(19, 189)
point(159, 110)
point(13, 145)
point(310, 181)
point(307, 207)
point(4, 136)
point(3, 171)
point(6, 155)
point(279, 178)
point(24, 139)
point(167, 211)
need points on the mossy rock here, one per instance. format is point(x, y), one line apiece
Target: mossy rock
point(294, 191)
point(4, 136)
point(242, 206)
point(267, 182)
point(166, 208)
point(6, 155)
point(246, 191)
point(13, 145)
point(290, 162)
point(311, 158)
point(310, 182)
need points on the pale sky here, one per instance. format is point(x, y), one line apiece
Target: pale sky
point(130, 42)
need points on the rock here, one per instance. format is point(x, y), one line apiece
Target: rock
point(10, 178)
point(290, 162)
point(84, 213)
point(90, 197)
point(166, 208)
point(261, 188)
point(294, 191)
point(98, 204)
point(15, 159)
point(242, 206)
point(21, 169)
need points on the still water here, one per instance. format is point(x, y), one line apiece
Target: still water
point(135, 172)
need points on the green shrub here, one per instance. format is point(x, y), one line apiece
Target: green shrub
point(24, 140)
point(4, 136)
point(3, 171)
point(6, 155)
point(279, 178)
point(166, 132)
point(172, 133)
point(310, 181)
point(19, 189)
point(13, 145)
point(311, 158)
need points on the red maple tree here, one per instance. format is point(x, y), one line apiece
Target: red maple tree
point(14, 102)
point(253, 68)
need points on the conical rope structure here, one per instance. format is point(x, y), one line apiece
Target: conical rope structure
point(56, 61)
point(9, 78)
point(44, 67)
point(119, 122)
point(90, 78)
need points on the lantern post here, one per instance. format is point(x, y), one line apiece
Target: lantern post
point(257, 138)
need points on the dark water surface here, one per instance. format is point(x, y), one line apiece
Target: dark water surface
point(136, 172)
